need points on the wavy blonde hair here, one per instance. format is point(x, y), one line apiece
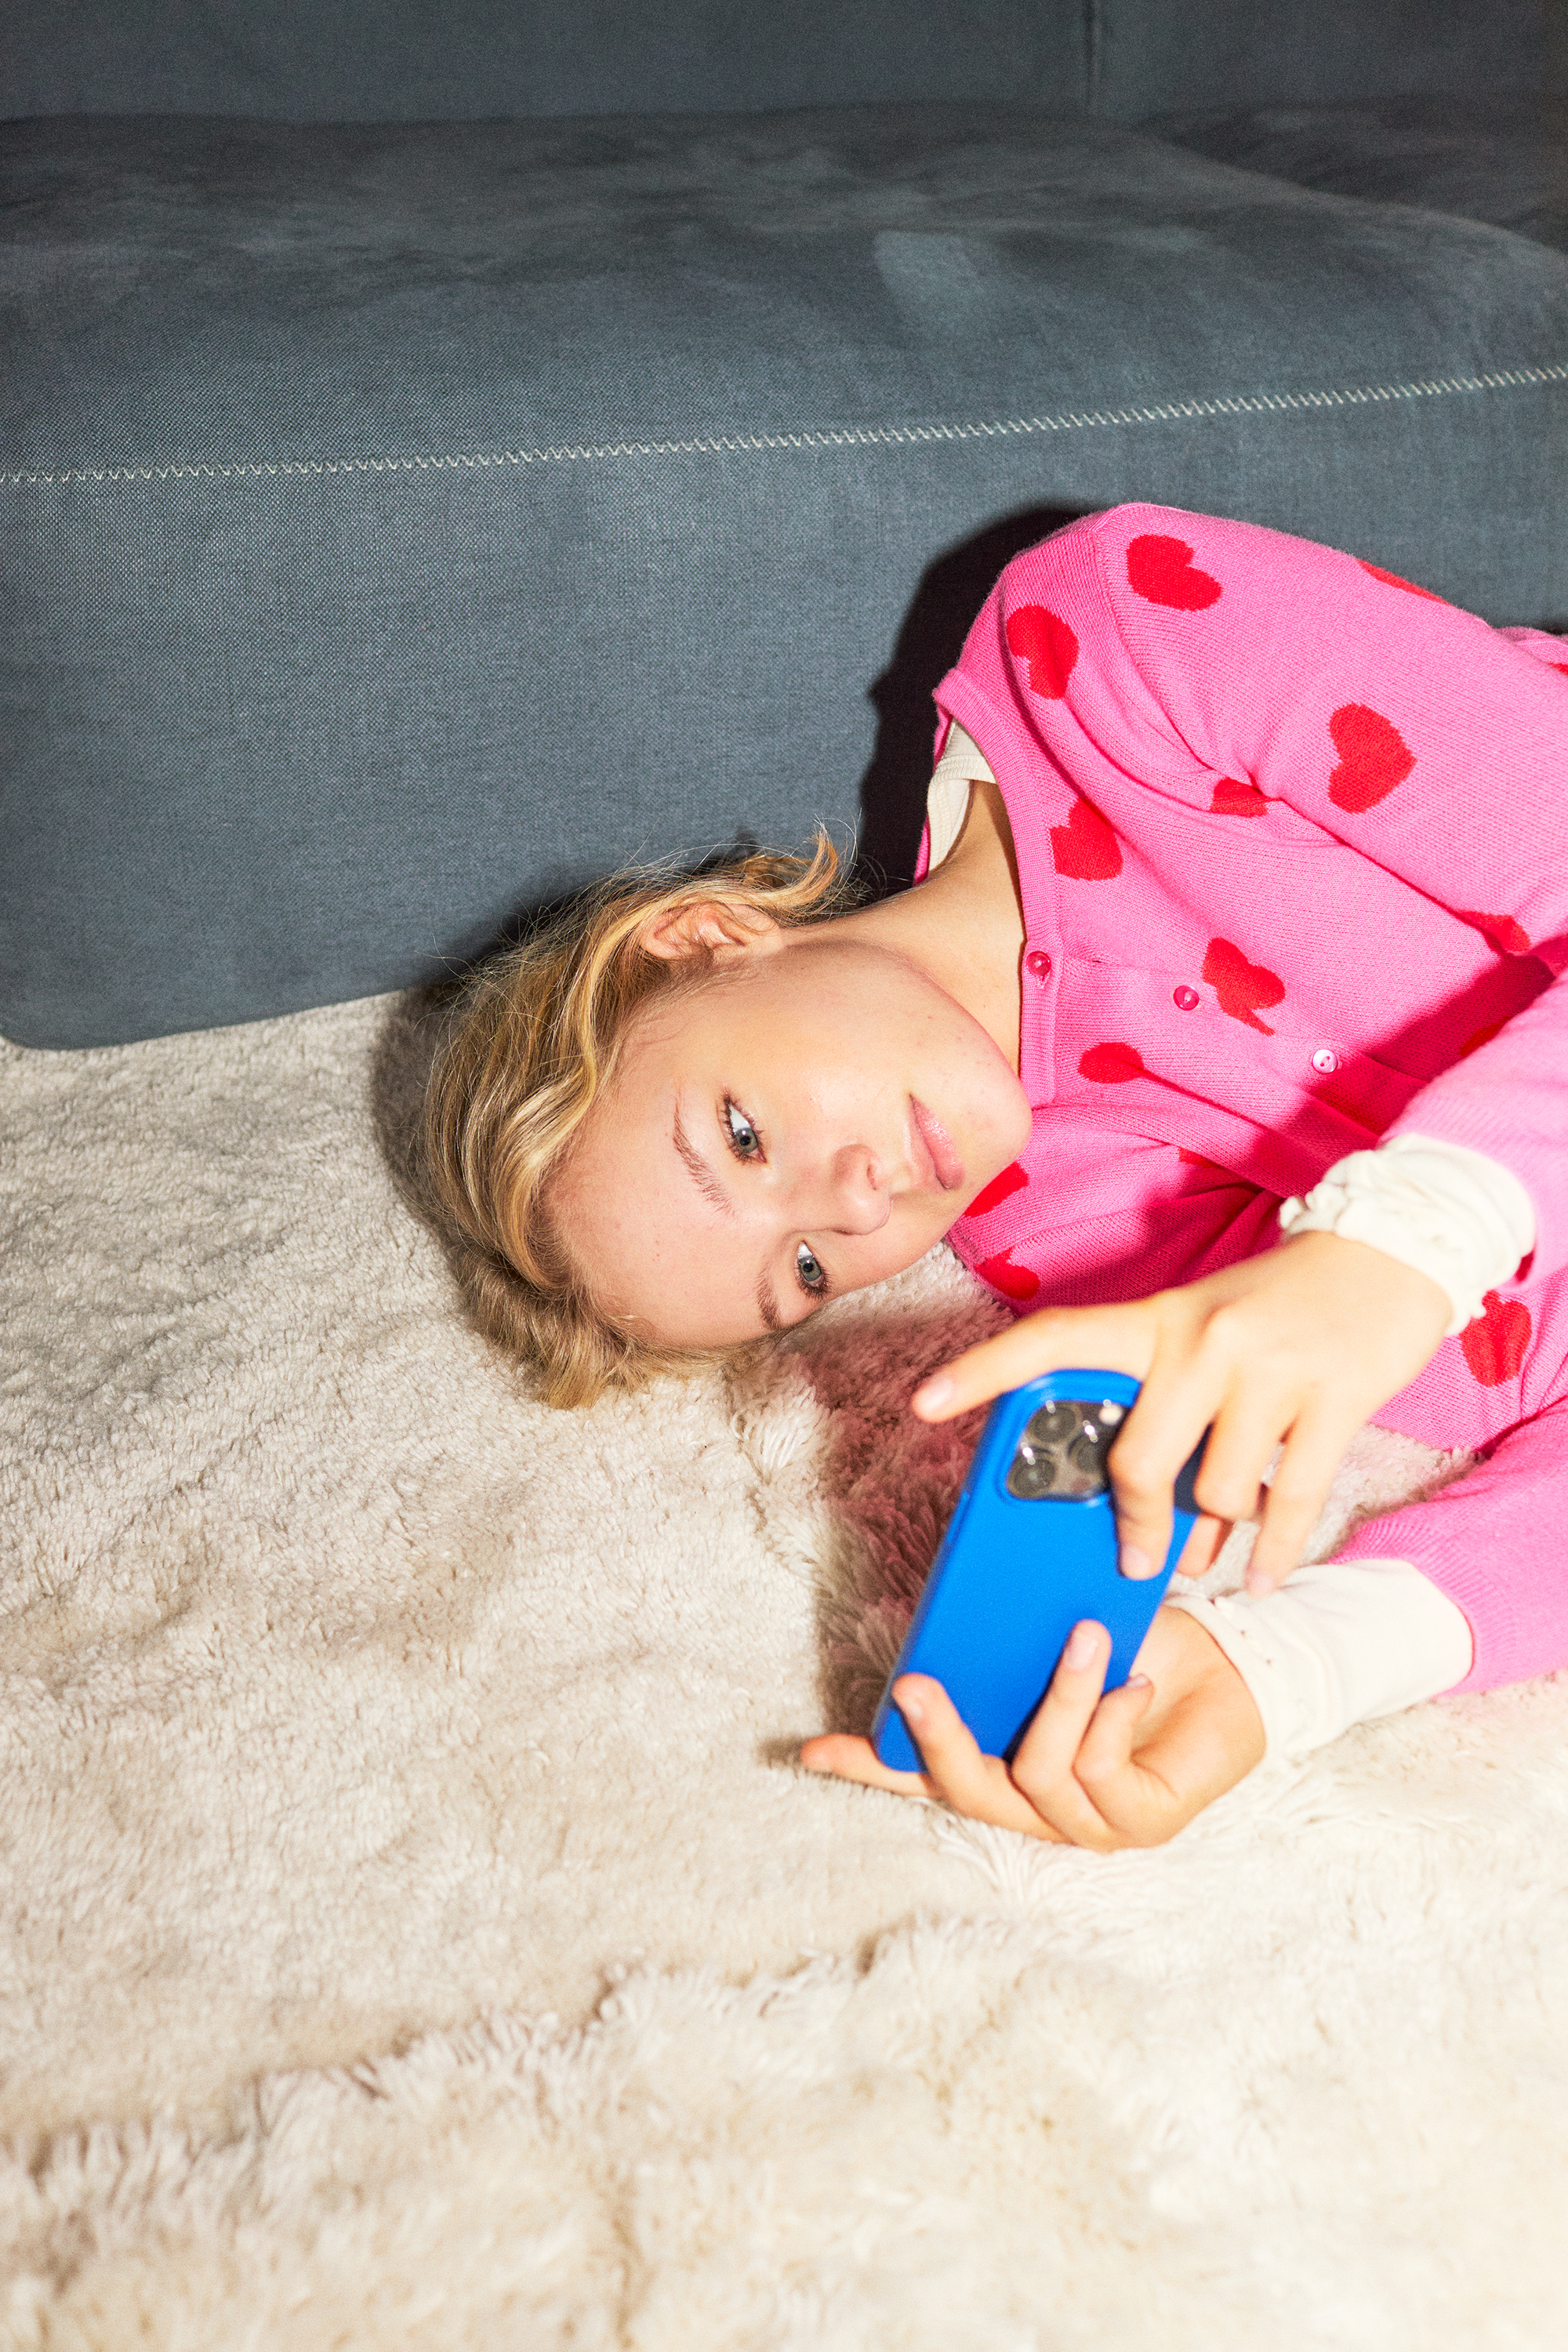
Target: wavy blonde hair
point(534, 1041)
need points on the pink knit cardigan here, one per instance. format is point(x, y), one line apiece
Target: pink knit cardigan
point(1292, 835)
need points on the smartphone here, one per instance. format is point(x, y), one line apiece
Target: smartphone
point(1029, 1552)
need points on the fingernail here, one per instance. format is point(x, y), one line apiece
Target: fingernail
point(1258, 1583)
point(1083, 1646)
point(933, 1394)
point(911, 1708)
point(1137, 1682)
point(1133, 1562)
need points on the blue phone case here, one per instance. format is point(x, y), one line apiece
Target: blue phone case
point(1029, 1552)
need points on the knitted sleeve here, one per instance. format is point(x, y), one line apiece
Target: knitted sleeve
point(1492, 1542)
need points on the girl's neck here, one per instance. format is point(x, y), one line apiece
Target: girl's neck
point(964, 923)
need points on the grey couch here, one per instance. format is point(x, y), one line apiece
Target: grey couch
point(450, 453)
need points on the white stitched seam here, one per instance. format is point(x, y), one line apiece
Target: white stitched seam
point(1165, 412)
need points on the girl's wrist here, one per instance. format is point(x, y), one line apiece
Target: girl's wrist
point(1451, 1213)
point(1342, 1643)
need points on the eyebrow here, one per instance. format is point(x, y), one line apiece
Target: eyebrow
point(707, 1183)
point(701, 1175)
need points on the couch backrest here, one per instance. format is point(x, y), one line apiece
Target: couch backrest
point(380, 60)
point(385, 60)
point(1154, 56)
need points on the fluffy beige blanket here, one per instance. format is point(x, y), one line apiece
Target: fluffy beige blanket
point(418, 1933)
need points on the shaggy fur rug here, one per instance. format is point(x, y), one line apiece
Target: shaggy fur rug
point(418, 1933)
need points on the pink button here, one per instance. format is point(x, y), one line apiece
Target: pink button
point(1186, 997)
point(1037, 964)
point(1325, 1059)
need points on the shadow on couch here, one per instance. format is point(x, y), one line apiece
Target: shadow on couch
point(952, 590)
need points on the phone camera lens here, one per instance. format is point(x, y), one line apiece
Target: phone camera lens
point(1053, 1424)
point(1084, 1455)
point(1032, 1475)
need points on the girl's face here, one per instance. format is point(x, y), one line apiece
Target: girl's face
point(809, 1121)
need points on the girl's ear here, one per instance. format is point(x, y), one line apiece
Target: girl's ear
point(725, 929)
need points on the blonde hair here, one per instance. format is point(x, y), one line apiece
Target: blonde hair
point(534, 1041)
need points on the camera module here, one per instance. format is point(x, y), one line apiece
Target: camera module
point(1060, 1455)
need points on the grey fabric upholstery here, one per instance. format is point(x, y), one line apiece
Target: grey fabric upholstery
point(408, 521)
point(1155, 56)
point(412, 60)
point(1501, 160)
point(405, 60)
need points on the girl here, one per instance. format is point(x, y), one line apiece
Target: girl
point(1219, 1036)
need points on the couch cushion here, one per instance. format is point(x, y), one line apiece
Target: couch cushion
point(1503, 160)
point(406, 521)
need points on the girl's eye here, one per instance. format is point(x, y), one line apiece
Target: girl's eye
point(745, 1140)
point(810, 1272)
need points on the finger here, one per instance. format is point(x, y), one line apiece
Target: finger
point(848, 1759)
point(976, 1785)
point(1112, 1339)
point(1137, 1806)
point(1045, 1766)
point(1207, 1540)
point(1243, 1441)
point(1142, 1465)
point(1183, 1398)
point(1313, 1451)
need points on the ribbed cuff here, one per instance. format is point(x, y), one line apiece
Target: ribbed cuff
point(1452, 1213)
point(1341, 1642)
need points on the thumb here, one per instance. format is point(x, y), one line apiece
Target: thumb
point(1103, 1338)
point(1117, 1720)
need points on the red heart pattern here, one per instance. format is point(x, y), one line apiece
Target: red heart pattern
point(1232, 797)
point(1160, 570)
point(1494, 1344)
point(1241, 986)
point(1043, 640)
point(1374, 758)
point(1085, 848)
point(1478, 1037)
point(1012, 1281)
point(1501, 931)
point(1393, 580)
point(1196, 1160)
point(1001, 1188)
point(1112, 1066)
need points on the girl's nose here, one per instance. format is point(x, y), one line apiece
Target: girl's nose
point(862, 1201)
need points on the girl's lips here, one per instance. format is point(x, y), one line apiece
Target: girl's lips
point(946, 1165)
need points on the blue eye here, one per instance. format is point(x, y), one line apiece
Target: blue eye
point(742, 1136)
point(810, 1272)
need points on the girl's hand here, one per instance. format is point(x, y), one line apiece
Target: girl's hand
point(1128, 1768)
point(1301, 1344)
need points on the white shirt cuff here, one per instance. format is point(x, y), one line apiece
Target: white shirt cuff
point(1453, 1213)
point(1341, 1642)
